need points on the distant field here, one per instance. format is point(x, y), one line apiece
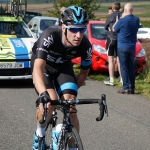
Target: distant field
point(141, 9)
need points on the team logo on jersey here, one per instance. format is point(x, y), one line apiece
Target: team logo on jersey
point(73, 52)
point(41, 49)
point(55, 53)
point(55, 60)
point(89, 54)
point(49, 41)
point(69, 56)
point(50, 58)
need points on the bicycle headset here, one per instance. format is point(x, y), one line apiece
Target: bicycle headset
point(74, 15)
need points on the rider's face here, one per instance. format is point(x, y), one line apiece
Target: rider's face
point(74, 34)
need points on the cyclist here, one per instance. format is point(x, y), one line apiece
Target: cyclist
point(51, 65)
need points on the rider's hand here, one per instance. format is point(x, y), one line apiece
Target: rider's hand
point(44, 99)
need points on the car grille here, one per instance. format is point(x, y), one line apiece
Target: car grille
point(15, 72)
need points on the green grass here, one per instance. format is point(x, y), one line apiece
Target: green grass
point(142, 82)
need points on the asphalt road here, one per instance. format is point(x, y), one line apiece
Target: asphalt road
point(126, 128)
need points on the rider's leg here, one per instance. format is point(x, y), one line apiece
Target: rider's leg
point(40, 131)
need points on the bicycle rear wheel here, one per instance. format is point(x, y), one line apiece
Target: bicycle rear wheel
point(75, 139)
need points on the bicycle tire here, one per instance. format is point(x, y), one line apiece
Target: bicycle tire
point(73, 133)
point(48, 135)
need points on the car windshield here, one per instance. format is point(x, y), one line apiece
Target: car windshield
point(15, 28)
point(45, 23)
point(98, 31)
point(30, 15)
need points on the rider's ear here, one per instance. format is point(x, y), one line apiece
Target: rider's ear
point(63, 28)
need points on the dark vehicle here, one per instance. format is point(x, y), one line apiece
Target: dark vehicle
point(29, 15)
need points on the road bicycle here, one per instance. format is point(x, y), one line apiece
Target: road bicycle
point(68, 131)
point(18, 8)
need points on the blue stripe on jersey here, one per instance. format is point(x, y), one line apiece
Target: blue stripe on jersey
point(68, 85)
point(86, 63)
point(21, 51)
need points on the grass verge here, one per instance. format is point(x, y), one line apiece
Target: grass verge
point(142, 82)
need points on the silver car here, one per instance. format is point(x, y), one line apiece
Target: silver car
point(39, 23)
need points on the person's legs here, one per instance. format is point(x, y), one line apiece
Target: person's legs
point(131, 69)
point(123, 58)
point(111, 47)
point(118, 63)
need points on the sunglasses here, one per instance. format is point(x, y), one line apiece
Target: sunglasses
point(75, 29)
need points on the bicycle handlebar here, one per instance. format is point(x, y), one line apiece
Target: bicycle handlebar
point(102, 103)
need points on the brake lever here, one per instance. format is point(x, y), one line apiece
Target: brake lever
point(106, 109)
point(103, 107)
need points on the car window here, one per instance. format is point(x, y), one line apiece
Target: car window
point(12, 28)
point(142, 32)
point(45, 23)
point(30, 15)
point(98, 31)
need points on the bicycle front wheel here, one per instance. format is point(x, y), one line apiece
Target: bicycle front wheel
point(72, 139)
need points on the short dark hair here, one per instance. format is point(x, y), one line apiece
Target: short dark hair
point(116, 5)
point(109, 8)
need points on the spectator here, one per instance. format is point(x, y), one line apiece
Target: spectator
point(127, 28)
point(121, 10)
point(111, 43)
point(110, 11)
point(58, 23)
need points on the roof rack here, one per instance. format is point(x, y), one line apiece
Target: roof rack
point(18, 8)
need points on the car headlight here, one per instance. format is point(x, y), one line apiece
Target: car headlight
point(99, 49)
point(141, 53)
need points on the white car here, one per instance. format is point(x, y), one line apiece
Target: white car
point(143, 33)
point(39, 23)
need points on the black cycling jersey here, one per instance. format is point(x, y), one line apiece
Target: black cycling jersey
point(49, 47)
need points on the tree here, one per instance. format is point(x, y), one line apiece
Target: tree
point(89, 5)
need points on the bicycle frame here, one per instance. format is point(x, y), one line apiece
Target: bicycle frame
point(66, 122)
point(64, 106)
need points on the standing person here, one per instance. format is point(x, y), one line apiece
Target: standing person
point(58, 23)
point(52, 69)
point(127, 28)
point(111, 43)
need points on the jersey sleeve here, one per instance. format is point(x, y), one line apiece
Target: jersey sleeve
point(86, 58)
point(44, 43)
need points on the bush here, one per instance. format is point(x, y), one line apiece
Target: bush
point(146, 23)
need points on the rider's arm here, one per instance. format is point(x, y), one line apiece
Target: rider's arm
point(38, 78)
point(86, 60)
point(81, 77)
